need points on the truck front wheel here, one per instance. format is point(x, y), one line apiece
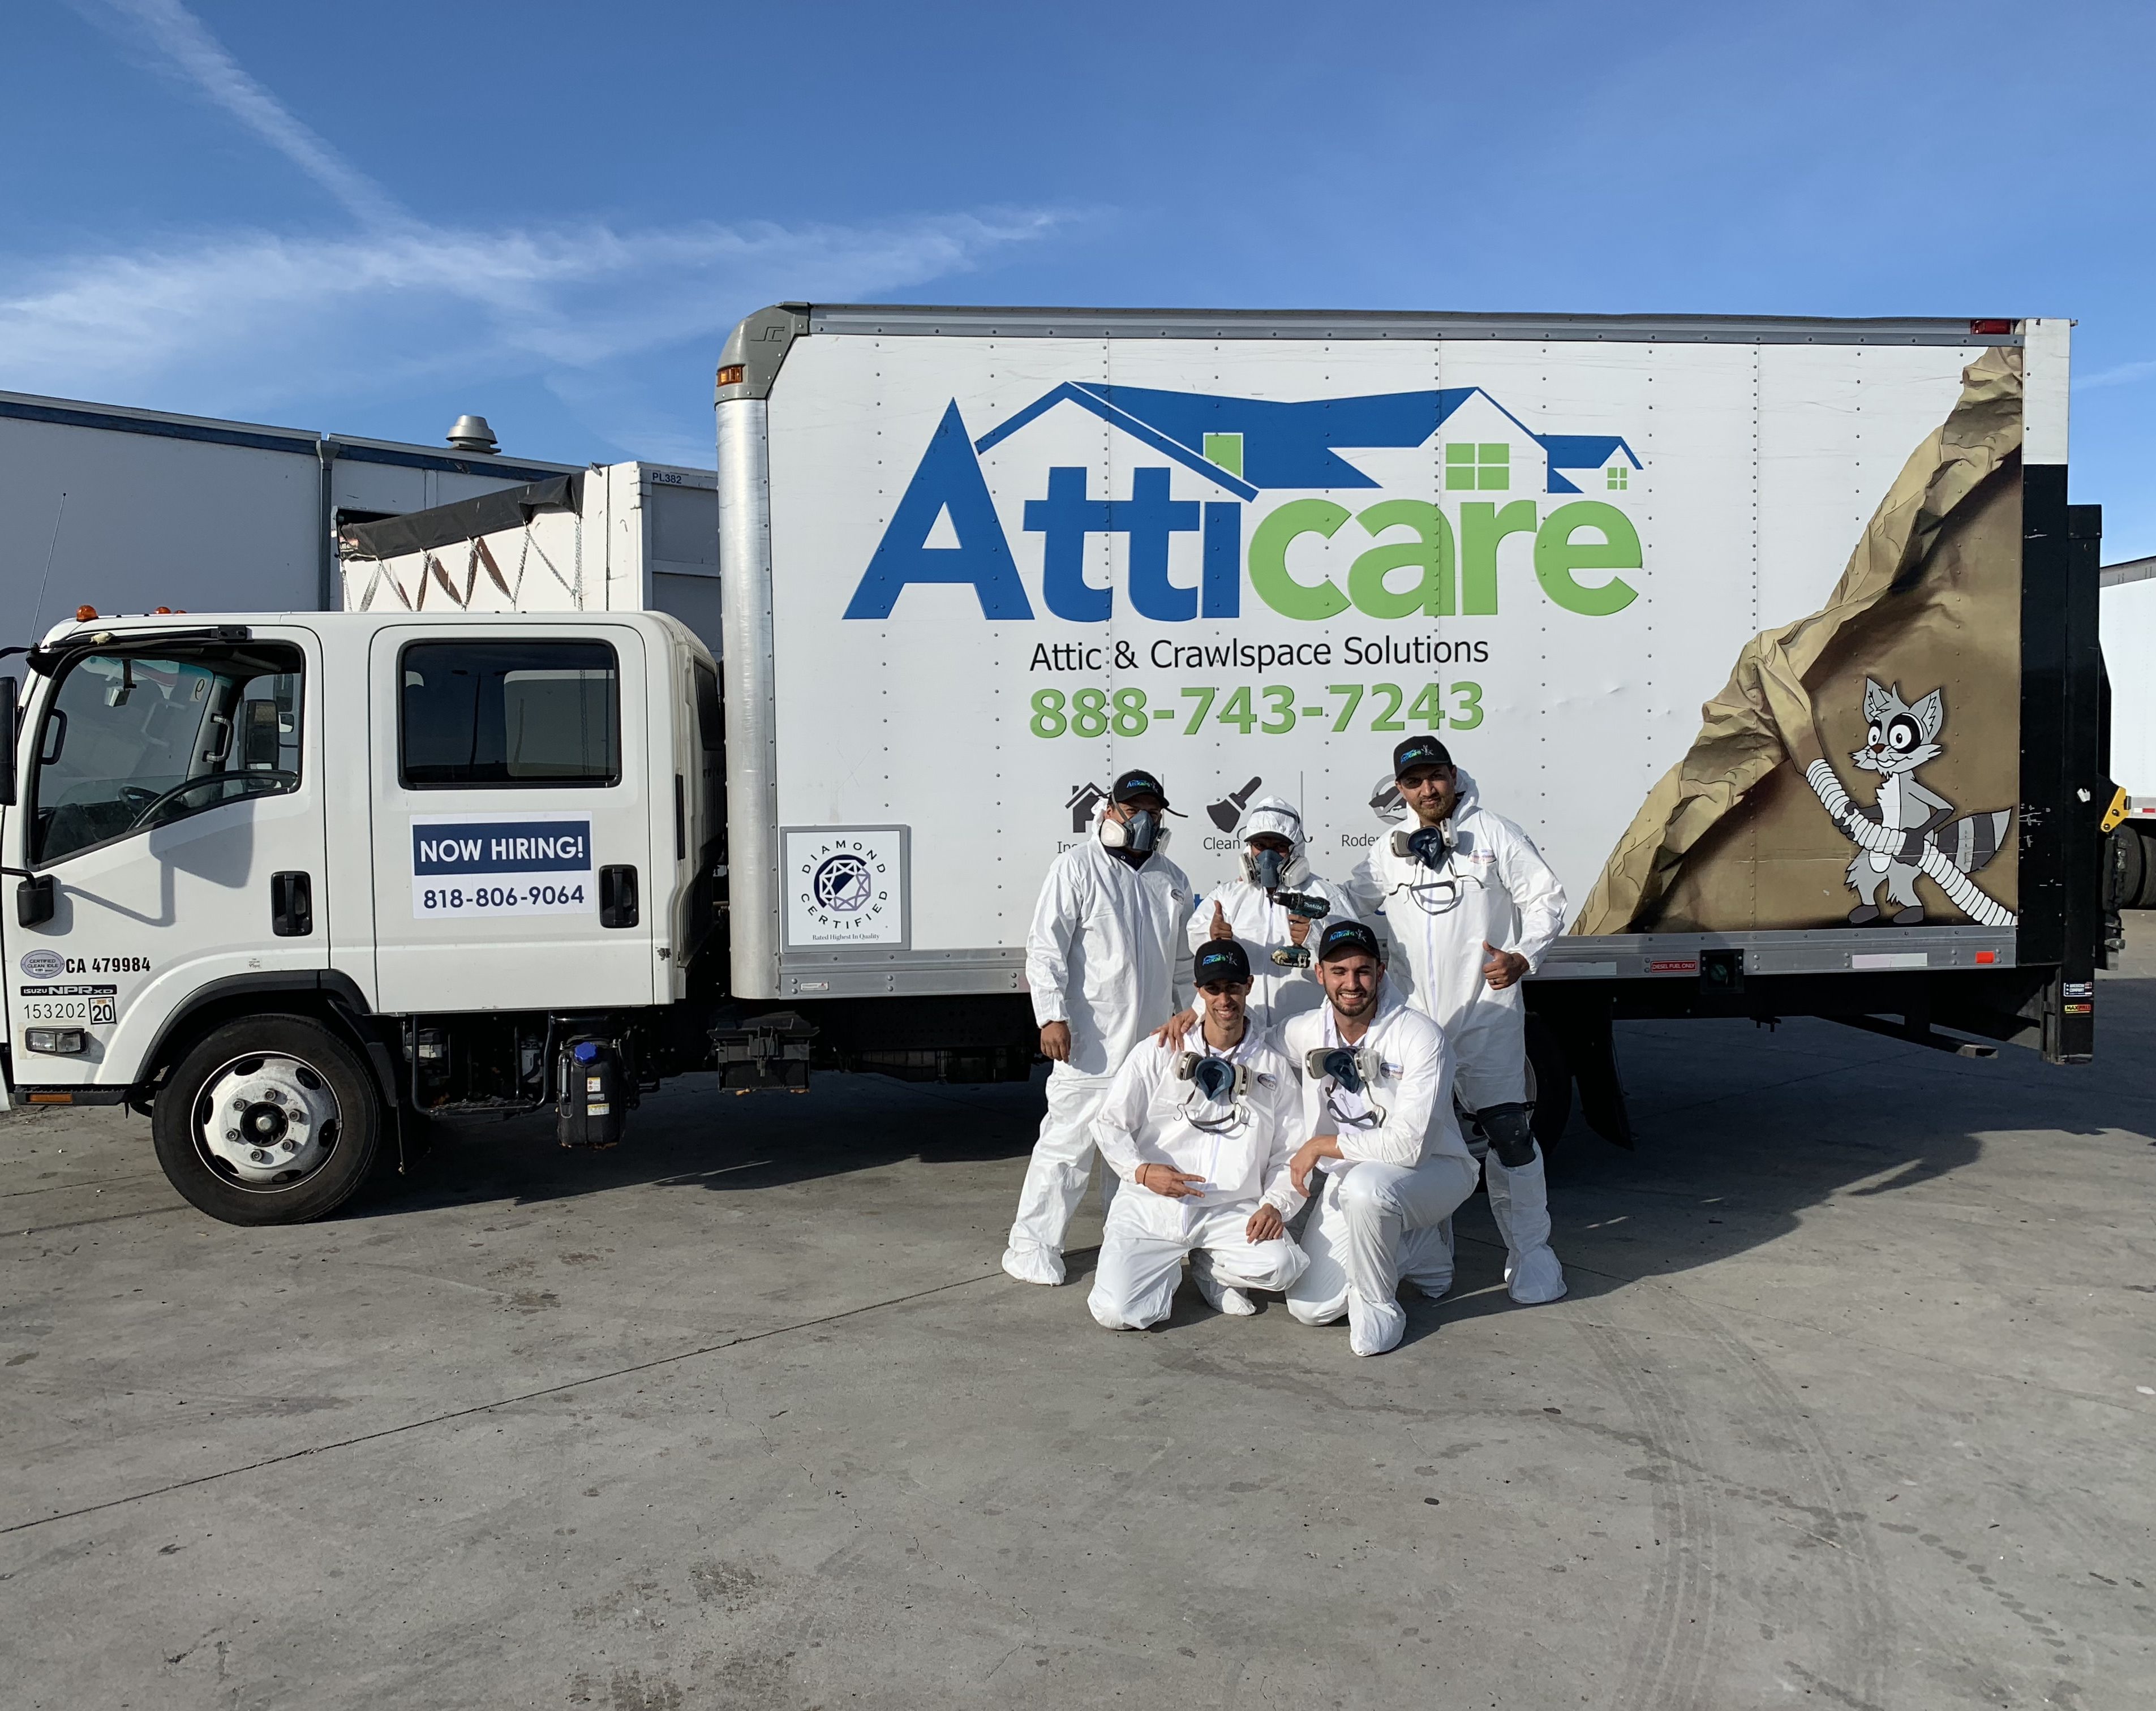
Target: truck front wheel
point(271, 1120)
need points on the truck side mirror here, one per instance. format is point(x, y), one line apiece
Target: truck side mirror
point(10, 688)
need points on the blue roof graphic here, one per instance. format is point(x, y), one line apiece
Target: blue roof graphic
point(1293, 445)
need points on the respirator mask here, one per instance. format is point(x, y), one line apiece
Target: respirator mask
point(1215, 1081)
point(1430, 847)
point(1267, 869)
point(1351, 1069)
point(1140, 834)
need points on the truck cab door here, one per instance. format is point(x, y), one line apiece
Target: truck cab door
point(512, 818)
point(171, 817)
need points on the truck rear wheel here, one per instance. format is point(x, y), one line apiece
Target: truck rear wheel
point(272, 1119)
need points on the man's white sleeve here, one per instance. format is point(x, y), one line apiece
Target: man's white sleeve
point(1048, 943)
point(1536, 893)
point(1283, 1106)
point(1398, 1140)
point(1119, 1130)
point(1345, 905)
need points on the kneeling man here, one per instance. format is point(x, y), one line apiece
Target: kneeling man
point(1205, 1136)
point(1384, 1162)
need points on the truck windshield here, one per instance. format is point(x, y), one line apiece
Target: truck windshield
point(132, 741)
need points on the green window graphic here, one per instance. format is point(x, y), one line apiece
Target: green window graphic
point(1477, 468)
point(1226, 450)
point(1620, 477)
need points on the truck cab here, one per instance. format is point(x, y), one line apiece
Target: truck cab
point(277, 876)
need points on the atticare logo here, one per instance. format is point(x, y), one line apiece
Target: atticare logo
point(1492, 477)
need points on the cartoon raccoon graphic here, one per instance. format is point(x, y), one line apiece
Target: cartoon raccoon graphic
point(1910, 832)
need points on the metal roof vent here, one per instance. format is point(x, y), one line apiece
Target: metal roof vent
point(472, 434)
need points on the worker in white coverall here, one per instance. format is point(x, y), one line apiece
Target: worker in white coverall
point(1384, 1165)
point(1473, 906)
point(1201, 1139)
point(1108, 962)
point(1265, 911)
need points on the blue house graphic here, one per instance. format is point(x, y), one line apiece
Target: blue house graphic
point(1283, 445)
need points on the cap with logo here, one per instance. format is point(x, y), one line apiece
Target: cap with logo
point(1347, 939)
point(1420, 751)
point(1220, 959)
point(1133, 785)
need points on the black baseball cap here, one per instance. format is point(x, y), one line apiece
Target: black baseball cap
point(1220, 959)
point(1345, 939)
point(1136, 784)
point(1420, 751)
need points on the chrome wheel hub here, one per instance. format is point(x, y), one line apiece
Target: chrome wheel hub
point(267, 1121)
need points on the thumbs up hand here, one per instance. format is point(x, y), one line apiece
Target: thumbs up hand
point(1504, 968)
point(1221, 930)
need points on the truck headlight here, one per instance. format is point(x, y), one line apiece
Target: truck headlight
point(57, 1042)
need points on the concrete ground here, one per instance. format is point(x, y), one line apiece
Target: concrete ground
point(1852, 1405)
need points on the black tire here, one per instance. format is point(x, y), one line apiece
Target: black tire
point(308, 1049)
point(2144, 893)
point(2126, 860)
point(1549, 1084)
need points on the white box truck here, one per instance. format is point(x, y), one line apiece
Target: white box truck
point(284, 882)
point(2129, 643)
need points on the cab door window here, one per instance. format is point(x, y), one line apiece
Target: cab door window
point(133, 741)
point(482, 715)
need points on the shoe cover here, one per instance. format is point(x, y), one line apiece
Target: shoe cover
point(1519, 1204)
point(1034, 1265)
point(1221, 1297)
point(1535, 1277)
point(1374, 1327)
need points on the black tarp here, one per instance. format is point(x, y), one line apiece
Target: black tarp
point(467, 519)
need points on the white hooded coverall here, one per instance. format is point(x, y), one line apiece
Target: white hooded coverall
point(1105, 954)
point(1261, 925)
point(1380, 1216)
point(1147, 1119)
point(1496, 890)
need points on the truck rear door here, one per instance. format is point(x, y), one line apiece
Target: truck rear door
point(511, 819)
point(172, 798)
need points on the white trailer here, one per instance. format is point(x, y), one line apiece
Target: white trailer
point(131, 510)
point(2129, 644)
point(618, 537)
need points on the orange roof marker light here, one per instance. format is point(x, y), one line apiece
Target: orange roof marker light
point(84, 614)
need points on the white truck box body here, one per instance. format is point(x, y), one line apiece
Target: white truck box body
point(2129, 645)
point(906, 653)
point(632, 537)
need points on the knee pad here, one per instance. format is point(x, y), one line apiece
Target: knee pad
point(1510, 1131)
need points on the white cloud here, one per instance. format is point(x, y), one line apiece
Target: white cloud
point(243, 322)
point(2124, 375)
point(253, 318)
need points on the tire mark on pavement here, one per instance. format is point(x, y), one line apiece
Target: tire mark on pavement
point(476, 1408)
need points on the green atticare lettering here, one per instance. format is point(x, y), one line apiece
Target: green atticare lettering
point(1557, 555)
point(1482, 525)
point(1307, 602)
point(1430, 553)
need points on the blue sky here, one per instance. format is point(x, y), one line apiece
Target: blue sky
point(370, 219)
